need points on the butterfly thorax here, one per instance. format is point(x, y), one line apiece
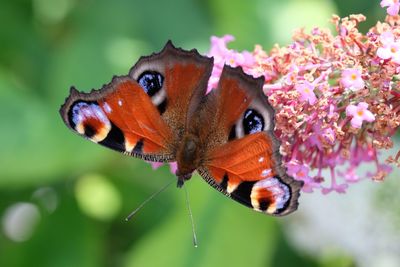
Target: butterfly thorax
point(187, 157)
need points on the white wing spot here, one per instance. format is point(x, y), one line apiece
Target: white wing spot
point(107, 108)
point(120, 102)
point(261, 159)
point(265, 173)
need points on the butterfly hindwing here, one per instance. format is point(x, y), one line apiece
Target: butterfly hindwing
point(246, 170)
point(246, 164)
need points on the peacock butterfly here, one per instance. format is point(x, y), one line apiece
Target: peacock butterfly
point(160, 112)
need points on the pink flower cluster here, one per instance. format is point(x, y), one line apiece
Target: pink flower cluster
point(336, 96)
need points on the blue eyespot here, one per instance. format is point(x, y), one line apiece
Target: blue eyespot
point(253, 122)
point(151, 82)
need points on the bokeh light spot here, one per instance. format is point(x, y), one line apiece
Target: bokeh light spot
point(97, 197)
point(20, 221)
point(52, 11)
point(46, 198)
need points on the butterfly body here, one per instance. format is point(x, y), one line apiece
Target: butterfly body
point(188, 158)
point(160, 112)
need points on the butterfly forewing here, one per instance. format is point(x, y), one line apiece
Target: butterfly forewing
point(120, 116)
point(185, 75)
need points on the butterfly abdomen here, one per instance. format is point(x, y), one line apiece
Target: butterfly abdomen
point(188, 156)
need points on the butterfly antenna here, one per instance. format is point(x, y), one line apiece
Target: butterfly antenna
point(191, 217)
point(147, 200)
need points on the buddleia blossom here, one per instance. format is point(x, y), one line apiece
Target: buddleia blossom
point(390, 48)
point(336, 96)
point(359, 114)
point(222, 55)
point(351, 79)
point(393, 6)
point(306, 90)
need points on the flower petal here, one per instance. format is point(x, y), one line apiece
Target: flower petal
point(384, 53)
point(396, 58)
point(359, 84)
point(351, 110)
point(368, 116)
point(393, 10)
point(385, 3)
point(356, 122)
point(362, 105)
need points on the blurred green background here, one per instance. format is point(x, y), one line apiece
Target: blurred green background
point(63, 200)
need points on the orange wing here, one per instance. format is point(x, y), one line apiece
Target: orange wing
point(122, 117)
point(247, 170)
point(246, 159)
point(243, 160)
point(184, 82)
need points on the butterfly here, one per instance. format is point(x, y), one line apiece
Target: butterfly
point(160, 112)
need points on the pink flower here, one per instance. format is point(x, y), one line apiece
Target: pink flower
point(320, 136)
point(155, 165)
point(393, 6)
point(360, 154)
point(351, 79)
point(350, 175)
point(306, 90)
point(338, 188)
point(291, 76)
point(382, 171)
point(360, 113)
point(390, 49)
point(301, 172)
point(298, 171)
point(172, 166)
point(219, 48)
point(335, 186)
point(222, 55)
